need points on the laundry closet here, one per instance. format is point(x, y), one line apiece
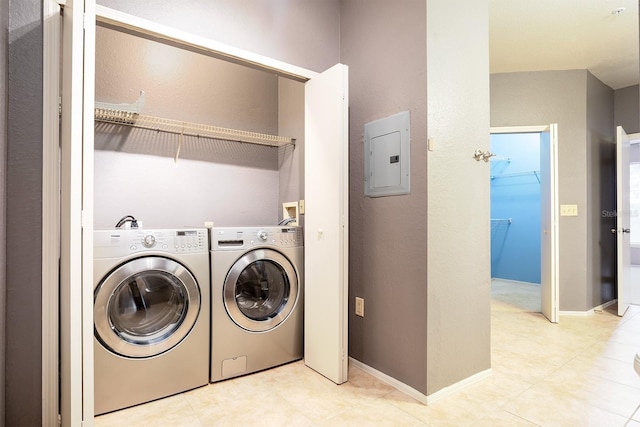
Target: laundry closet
point(178, 305)
point(184, 177)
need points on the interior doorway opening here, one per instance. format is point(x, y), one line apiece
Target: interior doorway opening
point(532, 197)
point(516, 220)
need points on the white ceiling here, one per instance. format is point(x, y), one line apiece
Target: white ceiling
point(536, 35)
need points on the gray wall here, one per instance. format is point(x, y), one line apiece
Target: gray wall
point(627, 108)
point(601, 195)
point(135, 171)
point(385, 48)
point(4, 30)
point(23, 215)
point(582, 107)
point(291, 158)
point(458, 252)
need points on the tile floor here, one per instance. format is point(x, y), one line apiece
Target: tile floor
point(576, 373)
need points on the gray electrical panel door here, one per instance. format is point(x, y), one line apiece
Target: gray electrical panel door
point(386, 156)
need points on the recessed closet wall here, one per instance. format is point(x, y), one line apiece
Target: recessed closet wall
point(173, 180)
point(515, 207)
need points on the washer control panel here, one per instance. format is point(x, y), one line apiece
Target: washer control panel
point(120, 242)
point(247, 237)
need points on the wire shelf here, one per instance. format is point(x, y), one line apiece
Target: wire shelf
point(189, 129)
point(129, 114)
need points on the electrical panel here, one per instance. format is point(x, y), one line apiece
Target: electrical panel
point(386, 156)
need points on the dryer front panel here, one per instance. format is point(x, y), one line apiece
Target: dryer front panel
point(145, 307)
point(260, 290)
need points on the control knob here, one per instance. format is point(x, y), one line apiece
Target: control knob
point(262, 235)
point(149, 241)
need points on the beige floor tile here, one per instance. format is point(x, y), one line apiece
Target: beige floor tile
point(170, 411)
point(613, 350)
point(601, 392)
point(455, 410)
point(545, 406)
point(604, 367)
point(626, 336)
point(575, 373)
point(380, 414)
point(259, 409)
point(502, 418)
point(520, 366)
point(495, 391)
point(317, 396)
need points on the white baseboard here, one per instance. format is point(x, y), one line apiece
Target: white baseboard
point(516, 282)
point(410, 391)
point(459, 386)
point(601, 307)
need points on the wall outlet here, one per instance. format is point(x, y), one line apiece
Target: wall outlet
point(301, 207)
point(359, 306)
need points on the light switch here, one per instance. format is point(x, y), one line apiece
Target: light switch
point(568, 210)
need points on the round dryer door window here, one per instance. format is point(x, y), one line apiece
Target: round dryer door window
point(261, 290)
point(145, 307)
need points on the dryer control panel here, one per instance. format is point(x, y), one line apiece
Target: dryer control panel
point(246, 237)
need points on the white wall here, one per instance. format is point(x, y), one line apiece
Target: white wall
point(458, 202)
point(164, 194)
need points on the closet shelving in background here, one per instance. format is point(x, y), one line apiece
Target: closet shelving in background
point(497, 223)
point(129, 115)
point(517, 174)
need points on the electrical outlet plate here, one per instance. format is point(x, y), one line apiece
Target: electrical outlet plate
point(359, 306)
point(568, 210)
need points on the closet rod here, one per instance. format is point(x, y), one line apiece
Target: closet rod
point(192, 129)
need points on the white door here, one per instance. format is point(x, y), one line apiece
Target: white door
point(326, 223)
point(76, 206)
point(623, 220)
point(549, 241)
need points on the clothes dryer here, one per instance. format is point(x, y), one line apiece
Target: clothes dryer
point(151, 314)
point(257, 299)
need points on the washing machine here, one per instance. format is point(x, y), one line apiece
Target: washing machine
point(257, 299)
point(151, 314)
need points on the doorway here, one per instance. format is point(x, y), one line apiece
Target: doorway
point(524, 218)
point(326, 100)
point(515, 219)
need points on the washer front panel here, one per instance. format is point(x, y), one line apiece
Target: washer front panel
point(145, 307)
point(260, 290)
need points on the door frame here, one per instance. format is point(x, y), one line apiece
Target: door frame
point(52, 31)
point(554, 253)
point(76, 195)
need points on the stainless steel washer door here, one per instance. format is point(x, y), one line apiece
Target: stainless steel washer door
point(145, 307)
point(260, 290)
